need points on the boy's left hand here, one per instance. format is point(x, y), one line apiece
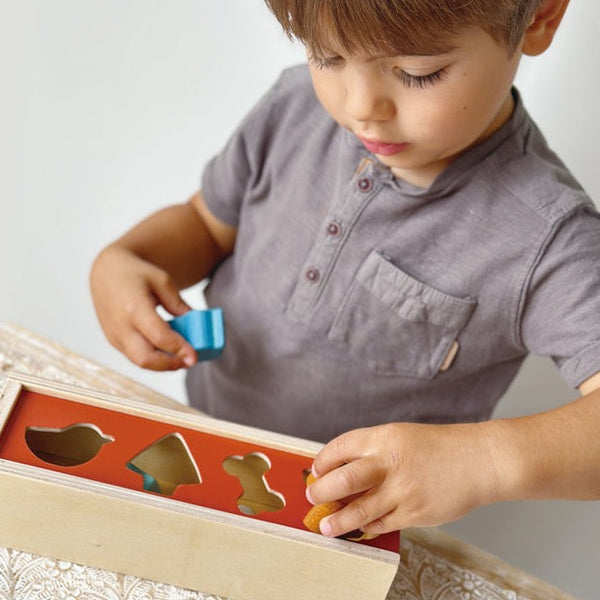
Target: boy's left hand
point(403, 475)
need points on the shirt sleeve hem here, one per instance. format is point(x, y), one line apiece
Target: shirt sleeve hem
point(227, 215)
point(582, 366)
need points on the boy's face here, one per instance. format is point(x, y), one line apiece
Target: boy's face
point(419, 113)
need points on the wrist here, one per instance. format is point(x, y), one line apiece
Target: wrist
point(504, 464)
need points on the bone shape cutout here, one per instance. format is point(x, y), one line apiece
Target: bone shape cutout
point(257, 496)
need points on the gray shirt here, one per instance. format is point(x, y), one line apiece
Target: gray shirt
point(353, 298)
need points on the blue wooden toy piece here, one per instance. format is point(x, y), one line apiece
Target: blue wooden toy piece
point(204, 330)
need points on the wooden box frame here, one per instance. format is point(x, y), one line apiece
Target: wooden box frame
point(153, 537)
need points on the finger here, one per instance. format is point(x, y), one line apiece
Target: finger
point(384, 524)
point(343, 449)
point(167, 295)
point(142, 353)
point(160, 335)
point(347, 480)
point(367, 510)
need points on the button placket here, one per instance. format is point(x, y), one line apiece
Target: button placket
point(330, 239)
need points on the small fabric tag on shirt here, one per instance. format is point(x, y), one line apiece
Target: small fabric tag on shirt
point(450, 356)
point(364, 164)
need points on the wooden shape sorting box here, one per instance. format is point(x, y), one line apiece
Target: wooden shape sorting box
point(171, 496)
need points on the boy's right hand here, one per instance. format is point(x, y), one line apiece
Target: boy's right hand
point(126, 291)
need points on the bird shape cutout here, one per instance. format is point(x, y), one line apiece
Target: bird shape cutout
point(67, 447)
point(165, 464)
point(257, 496)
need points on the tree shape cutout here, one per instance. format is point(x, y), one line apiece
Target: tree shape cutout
point(67, 447)
point(165, 464)
point(257, 496)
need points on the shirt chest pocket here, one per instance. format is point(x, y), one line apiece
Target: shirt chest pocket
point(396, 325)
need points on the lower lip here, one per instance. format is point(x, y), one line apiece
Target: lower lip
point(382, 148)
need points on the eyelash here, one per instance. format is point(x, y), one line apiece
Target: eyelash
point(420, 81)
point(326, 62)
point(410, 81)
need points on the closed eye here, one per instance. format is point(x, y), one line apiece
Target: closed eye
point(419, 81)
point(326, 62)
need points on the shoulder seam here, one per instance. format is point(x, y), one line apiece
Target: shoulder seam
point(544, 242)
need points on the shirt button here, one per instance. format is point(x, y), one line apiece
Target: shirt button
point(365, 184)
point(312, 275)
point(334, 229)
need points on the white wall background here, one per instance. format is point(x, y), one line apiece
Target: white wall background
point(108, 110)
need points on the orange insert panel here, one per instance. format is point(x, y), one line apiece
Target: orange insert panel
point(148, 455)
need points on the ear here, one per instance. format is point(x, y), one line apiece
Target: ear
point(542, 28)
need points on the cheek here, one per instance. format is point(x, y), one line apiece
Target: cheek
point(456, 115)
point(485, 91)
point(439, 120)
point(329, 94)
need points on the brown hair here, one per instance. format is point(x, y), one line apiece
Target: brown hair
point(400, 26)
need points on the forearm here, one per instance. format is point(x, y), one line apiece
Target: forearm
point(550, 455)
point(177, 240)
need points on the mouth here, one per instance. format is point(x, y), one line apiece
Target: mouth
point(383, 148)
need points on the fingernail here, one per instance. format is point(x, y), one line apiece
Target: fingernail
point(308, 495)
point(189, 361)
point(313, 470)
point(325, 528)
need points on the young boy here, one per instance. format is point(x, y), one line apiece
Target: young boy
point(389, 236)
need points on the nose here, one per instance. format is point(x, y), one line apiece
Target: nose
point(367, 98)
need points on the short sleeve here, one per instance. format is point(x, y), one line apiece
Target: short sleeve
point(228, 176)
point(561, 316)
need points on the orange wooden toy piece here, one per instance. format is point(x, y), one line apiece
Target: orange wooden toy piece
point(313, 517)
